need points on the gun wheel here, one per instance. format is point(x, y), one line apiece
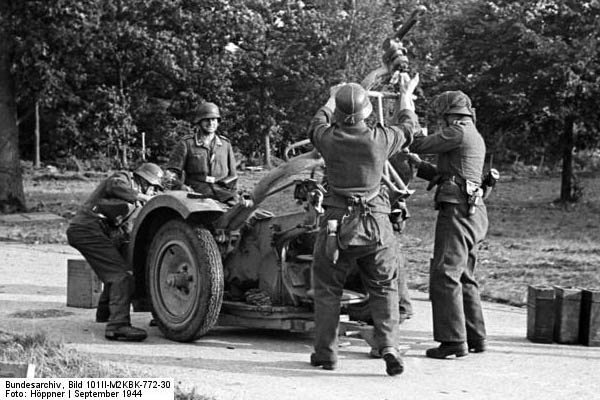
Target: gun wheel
point(185, 280)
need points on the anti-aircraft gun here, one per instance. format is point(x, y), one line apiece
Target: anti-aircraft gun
point(198, 262)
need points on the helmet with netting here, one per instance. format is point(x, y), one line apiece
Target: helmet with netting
point(453, 102)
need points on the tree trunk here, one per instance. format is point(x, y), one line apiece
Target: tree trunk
point(37, 161)
point(568, 143)
point(268, 149)
point(12, 197)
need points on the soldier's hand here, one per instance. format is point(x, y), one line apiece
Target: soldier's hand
point(408, 84)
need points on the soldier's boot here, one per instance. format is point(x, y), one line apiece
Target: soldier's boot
point(393, 362)
point(126, 333)
point(477, 346)
point(447, 349)
point(325, 364)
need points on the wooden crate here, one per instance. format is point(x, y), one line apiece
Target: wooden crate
point(540, 314)
point(568, 311)
point(589, 329)
point(83, 285)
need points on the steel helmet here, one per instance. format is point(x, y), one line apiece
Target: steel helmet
point(207, 110)
point(453, 102)
point(152, 173)
point(352, 104)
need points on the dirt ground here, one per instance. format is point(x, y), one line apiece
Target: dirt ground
point(531, 241)
point(249, 364)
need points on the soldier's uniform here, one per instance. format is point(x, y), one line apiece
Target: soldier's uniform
point(461, 225)
point(207, 168)
point(98, 235)
point(197, 161)
point(355, 155)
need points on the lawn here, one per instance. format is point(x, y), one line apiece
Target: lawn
point(531, 239)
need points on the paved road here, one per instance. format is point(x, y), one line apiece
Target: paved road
point(232, 363)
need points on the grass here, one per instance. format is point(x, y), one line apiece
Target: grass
point(53, 360)
point(531, 239)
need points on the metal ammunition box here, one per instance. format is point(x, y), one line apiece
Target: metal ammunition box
point(83, 286)
point(540, 314)
point(568, 310)
point(589, 328)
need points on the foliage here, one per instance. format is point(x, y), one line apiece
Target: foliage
point(104, 72)
point(266, 63)
point(531, 68)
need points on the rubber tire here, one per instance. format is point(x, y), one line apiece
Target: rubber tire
point(202, 308)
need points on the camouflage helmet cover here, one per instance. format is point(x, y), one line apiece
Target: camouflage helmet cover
point(453, 102)
point(152, 173)
point(352, 104)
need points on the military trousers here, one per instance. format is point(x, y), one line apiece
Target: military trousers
point(404, 302)
point(454, 292)
point(379, 274)
point(88, 236)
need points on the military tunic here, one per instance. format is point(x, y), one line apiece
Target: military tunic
point(355, 156)
point(91, 236)
point(454, 292)
point(195, 161)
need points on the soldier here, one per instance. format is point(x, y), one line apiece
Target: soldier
point(356, 225)
point(205, 161)
point(461, 225)
point(99, 230)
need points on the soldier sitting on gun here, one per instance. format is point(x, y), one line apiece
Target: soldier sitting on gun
point(204, 162)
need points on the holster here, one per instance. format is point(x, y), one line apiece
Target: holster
point(474, 194)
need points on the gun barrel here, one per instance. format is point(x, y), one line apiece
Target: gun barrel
point(410, 22)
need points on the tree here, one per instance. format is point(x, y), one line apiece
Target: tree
point(12, 197)
point(533, 71)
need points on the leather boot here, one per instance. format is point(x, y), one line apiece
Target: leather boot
point(393, 362)
point(447, 349)
point(328, 365)
point(126, 333)
point(477, 346)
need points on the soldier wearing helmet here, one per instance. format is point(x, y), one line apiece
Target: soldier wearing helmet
point(100, 229)
point(204, 162)
point(356, 229)
point(461, 225)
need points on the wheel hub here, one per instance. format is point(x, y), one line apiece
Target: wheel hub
point(180, 280)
